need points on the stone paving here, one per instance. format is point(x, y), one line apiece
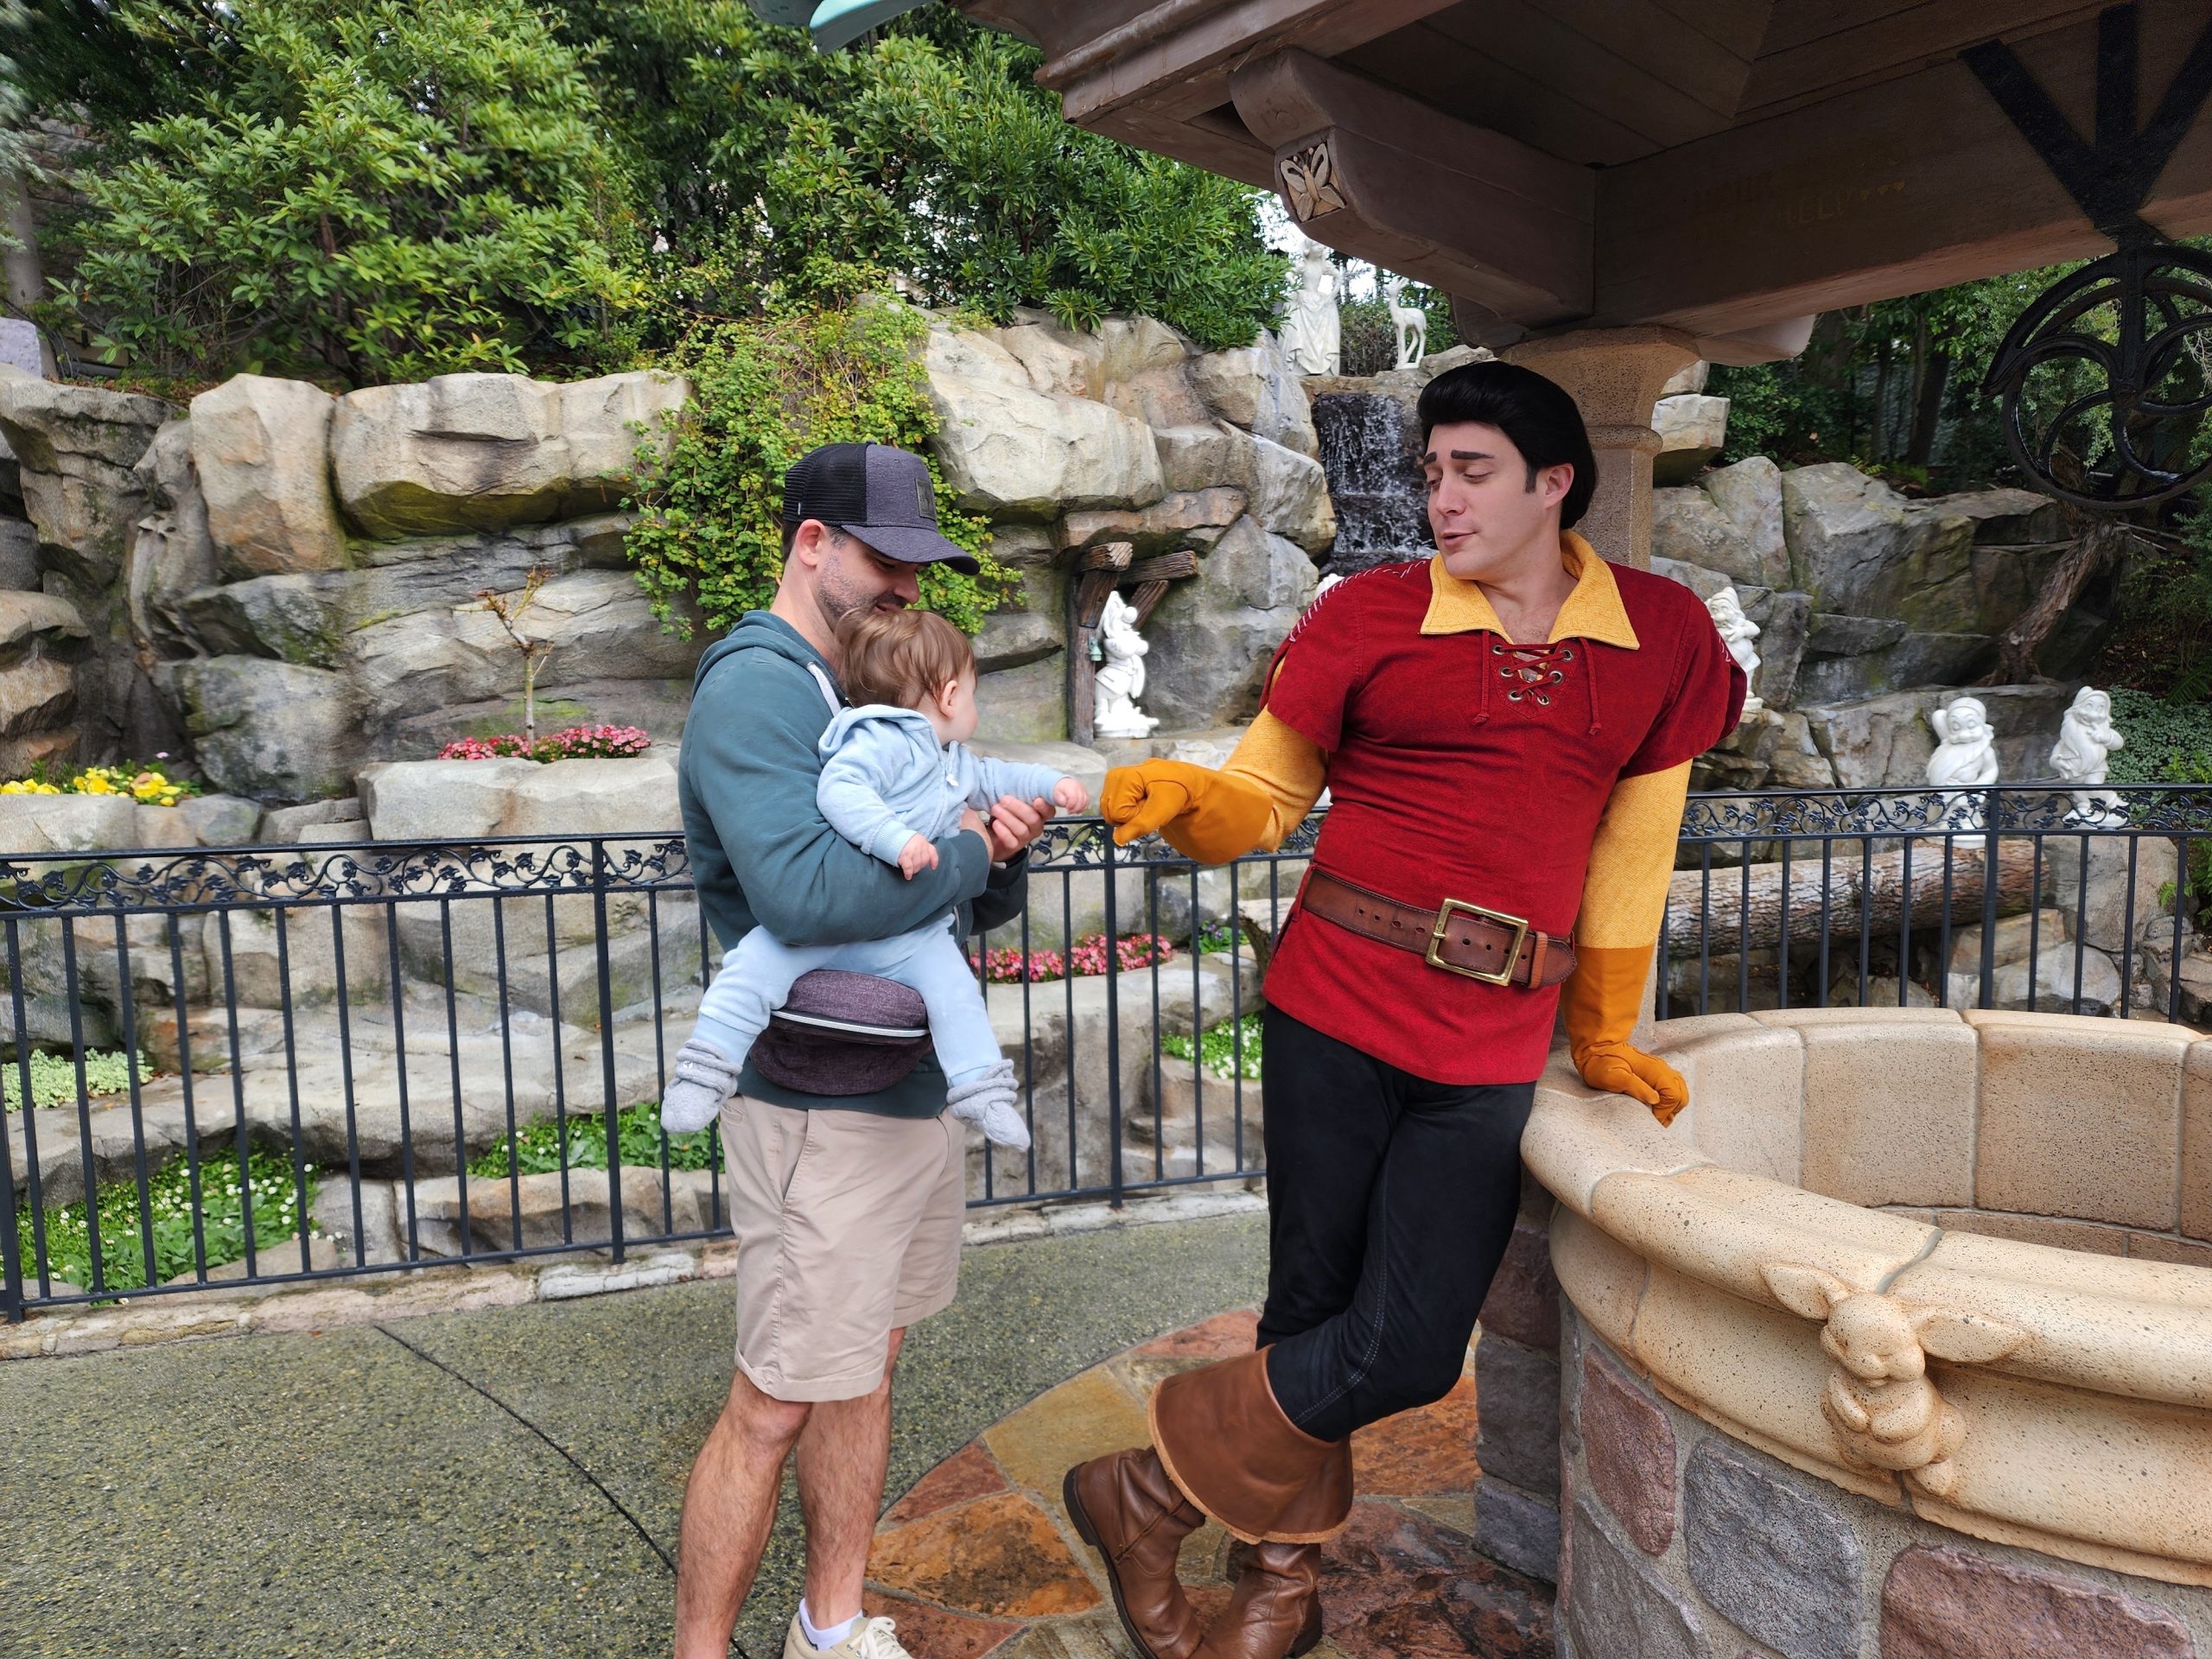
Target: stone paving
point(979, 1556)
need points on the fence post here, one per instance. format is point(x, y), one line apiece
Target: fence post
point(11, 1260)
point(607, 1048)
point(1113, 1026)
point(1989, 852)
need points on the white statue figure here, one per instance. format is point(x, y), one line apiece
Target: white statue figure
point(1737, 632)
point(2087, 740)
point(1120, 681)
point(1965, 758)
point(1409, 322)
point(1312, 336)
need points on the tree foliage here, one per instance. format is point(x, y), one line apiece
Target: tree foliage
point(1894, 385)
point(773, 173)
point(370, 190)
point(707, 541)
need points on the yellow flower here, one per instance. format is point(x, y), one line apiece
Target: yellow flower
point(93, 783)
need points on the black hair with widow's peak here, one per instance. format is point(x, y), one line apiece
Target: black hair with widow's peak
point(1536, 414)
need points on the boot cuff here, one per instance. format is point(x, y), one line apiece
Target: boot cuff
point(1226, 1443)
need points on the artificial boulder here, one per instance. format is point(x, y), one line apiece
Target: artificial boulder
point(1735, 529)
point(272, 731)
point(1693, 430)
point(1858, 546)
point(485, 451)
point(1212, 637)
point(1255, 388)
point(75, 447)
point(173, 555)
point(1012, 451)
point(1290, 496)
point(261, 447)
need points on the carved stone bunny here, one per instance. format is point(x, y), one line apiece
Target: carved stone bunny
point(1885, 1413)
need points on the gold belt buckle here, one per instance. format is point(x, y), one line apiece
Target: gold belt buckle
point(1504, 976)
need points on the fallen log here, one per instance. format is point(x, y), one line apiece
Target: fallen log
point(1743, 907)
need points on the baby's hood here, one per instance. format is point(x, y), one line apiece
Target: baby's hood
point(884, 718)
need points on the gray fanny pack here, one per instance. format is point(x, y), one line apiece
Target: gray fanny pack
point(840, 1033)
point(843, 1033)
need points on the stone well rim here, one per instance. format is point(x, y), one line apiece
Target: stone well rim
point(2076, 1416)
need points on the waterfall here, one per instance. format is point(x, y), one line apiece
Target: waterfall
point(1375, 480)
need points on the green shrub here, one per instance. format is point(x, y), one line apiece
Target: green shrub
point(763, 393)
point(276, 1211)
point(54, 1078)
point(1221, 1047)
point(2167, 742)
point(369, 190)
point(540, 1148)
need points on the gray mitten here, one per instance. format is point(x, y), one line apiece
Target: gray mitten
point(705, 1078)
point(990, 1103)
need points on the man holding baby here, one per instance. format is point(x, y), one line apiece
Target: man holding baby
point(836, 820)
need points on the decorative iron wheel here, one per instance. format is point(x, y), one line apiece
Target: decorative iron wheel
point(2107, 379)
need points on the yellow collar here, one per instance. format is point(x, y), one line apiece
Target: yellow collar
point(1592, 611)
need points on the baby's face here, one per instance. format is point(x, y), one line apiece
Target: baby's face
point(955, 709)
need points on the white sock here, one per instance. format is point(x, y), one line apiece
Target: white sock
point(829, 1639)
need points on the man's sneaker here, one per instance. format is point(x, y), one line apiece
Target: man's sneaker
point(872, 1638)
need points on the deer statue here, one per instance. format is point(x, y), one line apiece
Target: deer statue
point(1408, 322)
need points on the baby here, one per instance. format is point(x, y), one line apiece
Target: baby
point(895, 777)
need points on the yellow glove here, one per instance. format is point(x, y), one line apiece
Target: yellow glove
point(1202, 814)
point(1600, 1001)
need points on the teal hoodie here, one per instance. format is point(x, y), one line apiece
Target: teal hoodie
point(763, 856)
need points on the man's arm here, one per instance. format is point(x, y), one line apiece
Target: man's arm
point(753, 733)
point(1624, 901)
point(1262, 793)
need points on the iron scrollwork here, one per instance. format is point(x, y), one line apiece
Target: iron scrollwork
point(217, 878)
point(2106, 381)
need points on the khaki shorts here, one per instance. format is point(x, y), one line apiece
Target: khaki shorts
point(848, 1229)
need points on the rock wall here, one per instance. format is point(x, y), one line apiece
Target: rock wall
point(1870, 605)
point(285, 583)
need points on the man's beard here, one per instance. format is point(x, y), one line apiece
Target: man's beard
point(839, 599)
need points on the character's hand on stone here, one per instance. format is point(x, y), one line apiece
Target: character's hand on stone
point(1619, 1070)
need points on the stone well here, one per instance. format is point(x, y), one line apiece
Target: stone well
point(1898, 1343)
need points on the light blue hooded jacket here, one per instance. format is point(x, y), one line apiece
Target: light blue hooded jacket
point(885, 780)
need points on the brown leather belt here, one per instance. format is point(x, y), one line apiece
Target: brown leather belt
point(1458, 938)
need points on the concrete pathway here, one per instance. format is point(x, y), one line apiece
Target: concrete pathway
point(494, 1482)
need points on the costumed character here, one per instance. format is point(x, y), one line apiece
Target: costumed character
point(1506, 732)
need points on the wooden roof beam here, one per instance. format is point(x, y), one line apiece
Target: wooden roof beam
point(1908, 185)
point(1176, 56)
point(1386, 178)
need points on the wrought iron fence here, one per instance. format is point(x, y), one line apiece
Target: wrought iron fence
point(283, 1065)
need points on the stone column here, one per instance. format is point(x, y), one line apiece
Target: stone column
point(1615, 375)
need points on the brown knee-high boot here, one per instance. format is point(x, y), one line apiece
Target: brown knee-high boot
point(1275, 1612)
point(1128, 1511)
point(1221, 1441)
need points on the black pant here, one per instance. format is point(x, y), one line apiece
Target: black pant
point(1390, 1202)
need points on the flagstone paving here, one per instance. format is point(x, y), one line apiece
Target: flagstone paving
point(979, 1556)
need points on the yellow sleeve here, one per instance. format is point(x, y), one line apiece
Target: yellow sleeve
point(1288, 768)
point(1624, 901)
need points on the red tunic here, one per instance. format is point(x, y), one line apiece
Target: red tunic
point(1463, 766)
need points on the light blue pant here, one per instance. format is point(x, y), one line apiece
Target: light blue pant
point(757, 977)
